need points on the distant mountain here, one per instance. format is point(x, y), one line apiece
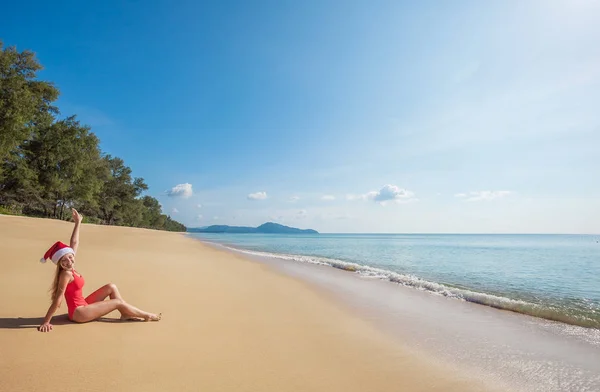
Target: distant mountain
point(275, 228)
point(265, 228)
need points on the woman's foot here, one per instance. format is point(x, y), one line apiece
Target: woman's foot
point(153, 317)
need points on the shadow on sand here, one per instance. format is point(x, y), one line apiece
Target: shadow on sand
point(34, 322)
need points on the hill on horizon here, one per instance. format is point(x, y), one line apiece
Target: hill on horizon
point(265, 228)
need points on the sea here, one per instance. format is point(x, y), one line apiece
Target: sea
point(522, 311)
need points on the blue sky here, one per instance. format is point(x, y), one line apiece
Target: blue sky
point(343, 116)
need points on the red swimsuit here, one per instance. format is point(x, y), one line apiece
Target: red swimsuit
point(73, 294)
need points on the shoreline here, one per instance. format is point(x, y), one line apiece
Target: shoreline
point(494, 300)
point(515, 350)
point(229, 323)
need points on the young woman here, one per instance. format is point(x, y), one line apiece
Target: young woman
point(69, 283)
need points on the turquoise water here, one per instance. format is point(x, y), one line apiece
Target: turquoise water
point(555, 277)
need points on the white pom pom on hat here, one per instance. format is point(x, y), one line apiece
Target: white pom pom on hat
point(56, 251)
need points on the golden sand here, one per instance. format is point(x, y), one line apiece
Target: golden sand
point(229, 324)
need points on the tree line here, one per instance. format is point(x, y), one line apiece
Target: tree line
point(49, 164)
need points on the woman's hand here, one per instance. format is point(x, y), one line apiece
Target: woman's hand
point(77, 217)
point(46, 327)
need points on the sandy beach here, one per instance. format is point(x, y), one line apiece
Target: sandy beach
point(229, 324)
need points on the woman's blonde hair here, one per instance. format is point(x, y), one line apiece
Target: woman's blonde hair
point(54, 288)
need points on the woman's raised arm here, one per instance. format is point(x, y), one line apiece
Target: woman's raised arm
point(77, 218)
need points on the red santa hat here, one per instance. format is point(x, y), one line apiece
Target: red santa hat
point(56, 251)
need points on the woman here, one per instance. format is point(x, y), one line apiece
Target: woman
point(69, 283)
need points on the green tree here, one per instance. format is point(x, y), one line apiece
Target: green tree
point(172, 225)
point(59, 167)
point(152, 214)
point(24, 101)
point(48, 165)
point(119, 193)
point(19, 187)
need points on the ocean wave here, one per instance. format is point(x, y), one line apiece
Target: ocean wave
point(547, 312)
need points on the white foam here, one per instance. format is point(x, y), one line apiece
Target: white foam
point(498, 302)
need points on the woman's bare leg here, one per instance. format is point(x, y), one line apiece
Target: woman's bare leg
point(111, 290)
point(131, 312)
point(96, 310)
point(108, 290)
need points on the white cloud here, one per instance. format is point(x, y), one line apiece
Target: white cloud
point(257, 196)
point(389, 193)
point(483, 195)
point(294, 198)
point(301, 214)
point(181, 190)
point(199, 217)
point(215, 218)
point(199, 206)
point(328, 197)
point(174, 211)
